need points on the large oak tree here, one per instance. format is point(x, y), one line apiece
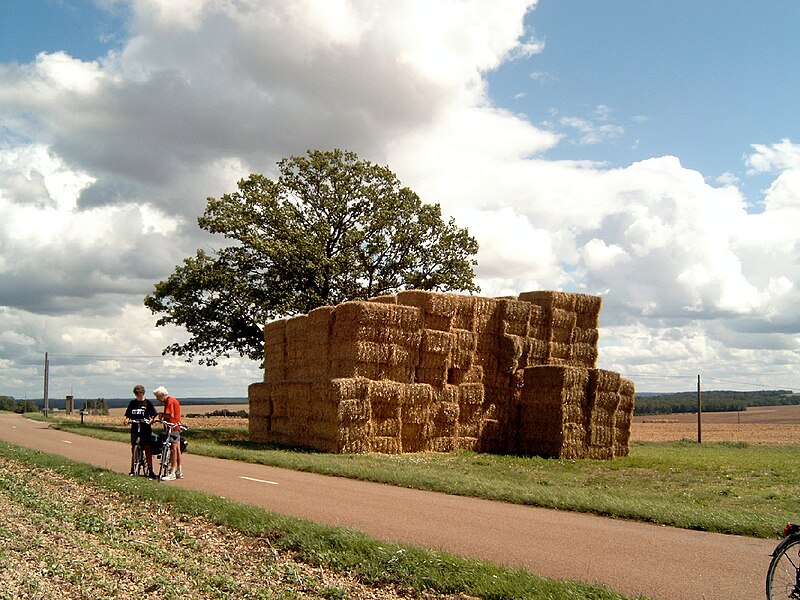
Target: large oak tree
point(331, 228)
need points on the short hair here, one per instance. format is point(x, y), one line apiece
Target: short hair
point(139, 389)
point(160, 390)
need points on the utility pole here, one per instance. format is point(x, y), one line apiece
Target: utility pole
point(46, 384)
point(699, 413)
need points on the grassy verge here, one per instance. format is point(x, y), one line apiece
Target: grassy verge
point(723, 487)
point(81, 531)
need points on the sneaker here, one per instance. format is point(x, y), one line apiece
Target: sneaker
point(131, 473)
point(178, 475)
point(170, 477)
point(152, 475)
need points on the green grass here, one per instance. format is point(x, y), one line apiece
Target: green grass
point(732, 488)
point(343, 550)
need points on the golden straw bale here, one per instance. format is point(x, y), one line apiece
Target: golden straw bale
point(259, 398)
point(514, 317)
point(559, 351)
point(556, 377)
point(467, 443)
point(550, 299)
point(386, 445)
point(539, 331)
point(600, 452)
point(459, 376)
point(442, 444)
point(444, 413)
point(387, 299)
point(417, 404)
point(386, 427)
point(601, 380)
point(354, 410)
point(509, 352)
point(470, 393)
point(354, 438)
point(436, 342)
point(318, 325)
point(352, 317)
point(627, 388)
point(465, 312)
point(414, 437)
point(438, 310)
point(463, 349)
point(588, 308)
point(275, 351)
point(584, 355)
point(486, 316)
point(582, 335)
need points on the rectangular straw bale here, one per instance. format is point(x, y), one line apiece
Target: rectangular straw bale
point(486, 316)
point(627, 388)
point(351, 319)
point(417, 404)
point(386, 427)
point(259, 399)
point(414, 437)
point(534, 353)
point(584, 355)
point(444, 413)
point(436, 342)
point(354, 438)
point(386, 445)
point(387, 299)
point(588, 308)
point(468, 443)
point(318, 324)
point(549, 377)
point(463, 349)
point(473, 375)
point(354, 410)
point(258, 429)
point(550, 299)
point(583, 335)
point(465, 312)
point(442, 444)
point(438, 310)
point(601, 380)
point(509, 353)
point(470, 393)
point(600, 452)
point(559, 353)
point(514, 317)
point(275, 350)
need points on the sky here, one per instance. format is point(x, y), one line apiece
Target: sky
point(645, 152)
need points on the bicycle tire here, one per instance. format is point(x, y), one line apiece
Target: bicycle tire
point(783, 574)
point(166, 454)
point(139, 461)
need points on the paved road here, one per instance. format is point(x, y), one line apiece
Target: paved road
point(632, 558)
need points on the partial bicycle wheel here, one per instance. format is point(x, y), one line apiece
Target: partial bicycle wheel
point(166, 453)
point(783, 575)
point(139, 461)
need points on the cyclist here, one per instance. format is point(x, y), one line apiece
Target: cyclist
point(172, 414)
point(141, 409)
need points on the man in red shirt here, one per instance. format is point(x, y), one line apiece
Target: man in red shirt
point(171, 414)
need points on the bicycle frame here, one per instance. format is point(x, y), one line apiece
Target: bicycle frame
point(165, 454)
point(140, 466)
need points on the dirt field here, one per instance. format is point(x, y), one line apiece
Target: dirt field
point(757, 425)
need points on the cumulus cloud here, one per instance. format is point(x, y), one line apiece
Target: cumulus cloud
point(106, 164)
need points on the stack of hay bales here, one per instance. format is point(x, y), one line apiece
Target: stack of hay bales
point(552, 412)
point(428, 371)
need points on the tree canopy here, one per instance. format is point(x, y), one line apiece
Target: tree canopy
point(331, 228)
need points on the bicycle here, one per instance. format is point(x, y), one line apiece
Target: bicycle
point(140, 466)
point(783, 574)
point(165, 453)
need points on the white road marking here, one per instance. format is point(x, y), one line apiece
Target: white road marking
point(66, 441)
point(258, 480)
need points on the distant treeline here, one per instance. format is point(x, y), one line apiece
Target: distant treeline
point(712, 401)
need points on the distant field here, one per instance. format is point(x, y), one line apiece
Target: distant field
point(756, 425)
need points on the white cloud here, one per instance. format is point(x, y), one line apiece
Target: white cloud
point(105, 166)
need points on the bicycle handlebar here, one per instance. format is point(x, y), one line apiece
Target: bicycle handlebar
point(171, 426)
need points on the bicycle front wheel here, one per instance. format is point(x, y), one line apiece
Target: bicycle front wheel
point(139, 460)
point(783, 575)
point(166, 453)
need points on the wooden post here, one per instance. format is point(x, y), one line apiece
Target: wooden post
point(46, 384)
point(699, 413)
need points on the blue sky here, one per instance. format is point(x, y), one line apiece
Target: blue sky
point(646, 152)
point(697, 80)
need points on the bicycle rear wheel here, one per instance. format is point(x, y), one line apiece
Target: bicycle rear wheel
point(783, 574)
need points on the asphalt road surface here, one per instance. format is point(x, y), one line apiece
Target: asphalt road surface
point(632, 558)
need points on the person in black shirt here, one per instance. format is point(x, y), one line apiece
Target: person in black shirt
point(141, 409)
